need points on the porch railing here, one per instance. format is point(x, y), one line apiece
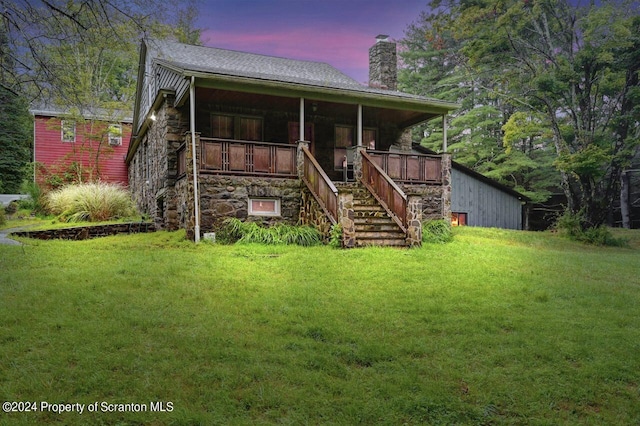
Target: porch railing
point(238, 157)
point(409, 168)
point(324, 191)
point(385, 190)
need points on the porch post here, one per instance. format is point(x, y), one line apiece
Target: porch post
point(444, 133)
point(301, 131)
point(359, 125)
point(192, 120)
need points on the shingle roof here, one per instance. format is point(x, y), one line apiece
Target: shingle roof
point(232, 63)
point(47, 110)
point(251, 65)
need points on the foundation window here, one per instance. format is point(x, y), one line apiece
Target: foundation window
point(264, 207)
point(458, 219)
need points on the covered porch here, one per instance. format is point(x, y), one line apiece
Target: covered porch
point(321, 142)
point(333, 127)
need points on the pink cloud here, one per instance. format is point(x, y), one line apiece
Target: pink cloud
point(344, 49)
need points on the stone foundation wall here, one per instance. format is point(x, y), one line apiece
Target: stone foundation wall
point(223, 196)
point(312, 214)
point(87, 232)
point(430, 199)
point(153, 169)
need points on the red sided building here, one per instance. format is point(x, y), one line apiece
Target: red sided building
point(89, 149)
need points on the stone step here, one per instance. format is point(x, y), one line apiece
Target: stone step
point(373, 219)
point(380, 235)
point(387, 242)
point(364, 214)
point(367, 203)
point(371, 206)
point(379, 227)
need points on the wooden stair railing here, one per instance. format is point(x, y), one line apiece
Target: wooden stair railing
point(323, 190)
point(385, 190)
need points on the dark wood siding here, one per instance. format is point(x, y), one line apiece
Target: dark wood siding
point(484, 204)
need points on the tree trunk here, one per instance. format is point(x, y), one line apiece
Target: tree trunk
point(624, 200)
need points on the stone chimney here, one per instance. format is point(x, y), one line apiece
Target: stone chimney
point(383, 64)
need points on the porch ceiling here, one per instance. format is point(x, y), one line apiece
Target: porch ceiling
point(402, 118)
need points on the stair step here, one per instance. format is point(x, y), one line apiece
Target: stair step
point(382, 242)
point(373, 225)
point(380, 235)
point(370, 213)
point(386, 227)
point(369, 201)
point(373, 220)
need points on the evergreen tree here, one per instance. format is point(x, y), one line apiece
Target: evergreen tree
point(15, 135)
point(434, 65)
point(569, 73)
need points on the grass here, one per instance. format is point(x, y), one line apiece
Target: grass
point(496, 327)
point(91, 202)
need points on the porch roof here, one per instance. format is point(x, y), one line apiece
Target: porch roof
point(256, 73)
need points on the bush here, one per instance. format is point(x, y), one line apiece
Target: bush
point(574, 227)
point(11, 208)
point(335, 236)
point(36, 200)
point(437, 231)
point(91, 202)
point(234, 230)
point(3, 218)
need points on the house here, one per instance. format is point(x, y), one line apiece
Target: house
point(220, 133)
point(67, 148)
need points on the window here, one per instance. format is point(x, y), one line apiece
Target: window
point(182, 160)
point(250, 129)
point(68, 131)
point(115, 134)
point(222, 126)
point(458, 219)
point(264, 207)
point(294, 132)
point(344, 136)
point(369, 138)
point(232, 127)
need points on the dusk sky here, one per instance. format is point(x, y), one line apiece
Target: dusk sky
point(338, 32)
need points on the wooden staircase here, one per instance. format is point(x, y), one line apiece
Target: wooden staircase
point(374, 227)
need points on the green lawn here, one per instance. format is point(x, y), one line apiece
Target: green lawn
point(497, 327)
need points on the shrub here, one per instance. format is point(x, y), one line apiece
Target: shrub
point(437, 231)
point(36, 200)
point(574, 227)
point(3, 218)
point(335, 236)
point(234, 230)
point(11, 208)
point(91, 202)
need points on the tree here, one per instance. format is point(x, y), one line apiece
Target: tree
point(81, 56)
point(35, 27)
point(434, 65)
point(573, 70)
point(15, 137)
point(15, 140)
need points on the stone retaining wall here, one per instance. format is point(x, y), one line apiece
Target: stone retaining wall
point(87, 232)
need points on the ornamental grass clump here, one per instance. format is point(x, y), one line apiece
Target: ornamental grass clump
point(93, 202)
